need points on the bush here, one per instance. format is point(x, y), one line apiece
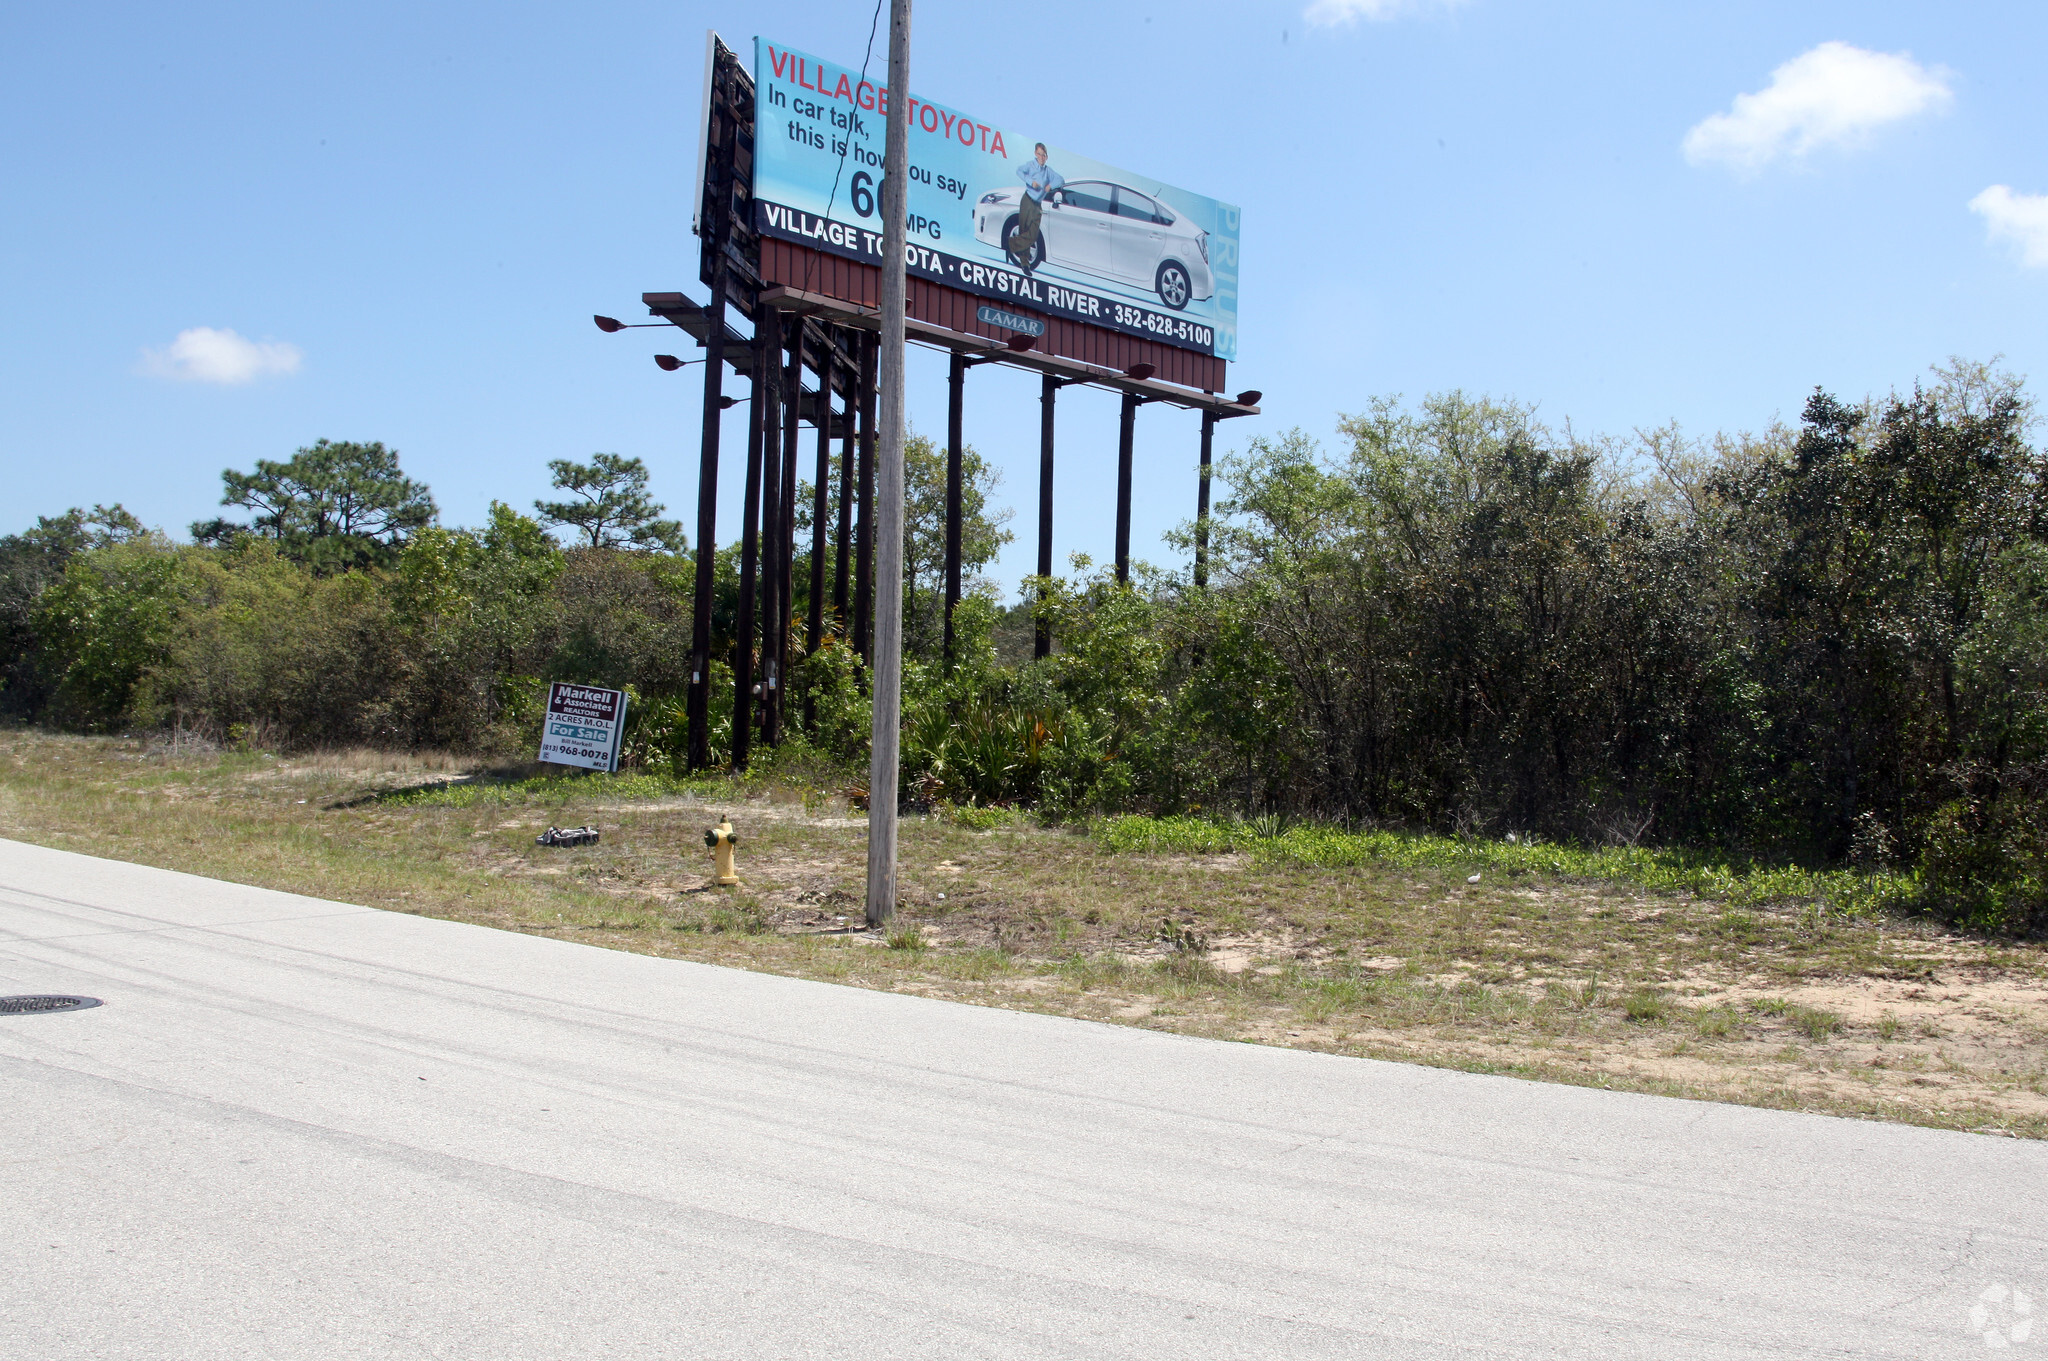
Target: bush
point(1985, 863)
point(263, 646)
point(105, 631)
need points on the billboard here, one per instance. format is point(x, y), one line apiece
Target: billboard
point(992, 211)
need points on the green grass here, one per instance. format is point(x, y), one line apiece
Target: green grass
point(1703, 874)
point(1646, 1006)
point(976, 819)
point(557, 789)
point(1812, 1022)
point(1716, 1023)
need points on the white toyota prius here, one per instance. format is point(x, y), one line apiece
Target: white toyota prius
point(1110, 231)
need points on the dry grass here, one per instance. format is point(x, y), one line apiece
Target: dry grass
point(1561, 980)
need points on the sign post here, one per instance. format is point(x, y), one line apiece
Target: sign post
point(585, 725)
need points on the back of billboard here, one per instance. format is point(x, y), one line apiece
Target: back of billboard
point(991, 211)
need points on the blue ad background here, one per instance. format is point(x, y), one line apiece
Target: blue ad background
point(948, 177)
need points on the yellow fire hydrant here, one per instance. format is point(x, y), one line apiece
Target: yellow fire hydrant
point(721, 839)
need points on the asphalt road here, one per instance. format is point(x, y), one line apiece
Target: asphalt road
point(302, 1129)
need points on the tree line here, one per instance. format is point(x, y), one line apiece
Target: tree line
point(1826, 642)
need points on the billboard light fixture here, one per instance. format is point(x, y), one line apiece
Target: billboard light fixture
point(611, 325)
point(669, 363)
point(728, 403)
point(1141, 371)
point(1250, 397)
point(1021, 342)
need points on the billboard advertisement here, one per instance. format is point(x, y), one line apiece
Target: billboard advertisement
point(1038, 230)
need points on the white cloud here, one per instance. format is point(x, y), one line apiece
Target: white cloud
point(1834, 95)
point(204, 355)
point(2019, 218)
point(1323, 13)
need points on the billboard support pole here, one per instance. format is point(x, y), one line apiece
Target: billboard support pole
point(707, 528)
point(1202, 501)
point(821, 486)
point(786, 535)
point(771, 326)
point(887, 731)
point(842, 541)
point(956, 401)
point(776, 546)
point(1048, 393)
point(1125, 431)
point(864, 552)
point(750, 555)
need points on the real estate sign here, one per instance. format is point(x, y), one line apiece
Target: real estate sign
point(584, 726)
point(991, 210)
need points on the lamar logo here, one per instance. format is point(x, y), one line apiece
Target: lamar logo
point(2002, 1316)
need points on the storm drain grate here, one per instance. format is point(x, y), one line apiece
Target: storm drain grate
point(27, 1006)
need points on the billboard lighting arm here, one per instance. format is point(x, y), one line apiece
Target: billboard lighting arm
point(887, 731)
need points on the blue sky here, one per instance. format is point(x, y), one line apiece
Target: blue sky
point(1627, 213)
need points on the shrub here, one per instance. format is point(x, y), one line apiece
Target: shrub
point(1985, 863)
point(106, 629)
point(264, 646)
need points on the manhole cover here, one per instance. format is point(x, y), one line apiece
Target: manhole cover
point(23, 1006)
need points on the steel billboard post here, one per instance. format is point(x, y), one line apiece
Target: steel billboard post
point(771, 519)
point(775, 648)
point(707, 528)
point(864, 493)
point(1202, 501)
point(888, 666)
point(787, 569)
point(1125, 433)
point(750, 552)
point(821, 490)
point(842, 530)
point(956, 402)
point(1048, 394)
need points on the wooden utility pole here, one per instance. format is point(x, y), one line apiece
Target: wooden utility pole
point(888, 661)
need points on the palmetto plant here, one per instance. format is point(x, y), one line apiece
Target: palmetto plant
point(980, 751)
